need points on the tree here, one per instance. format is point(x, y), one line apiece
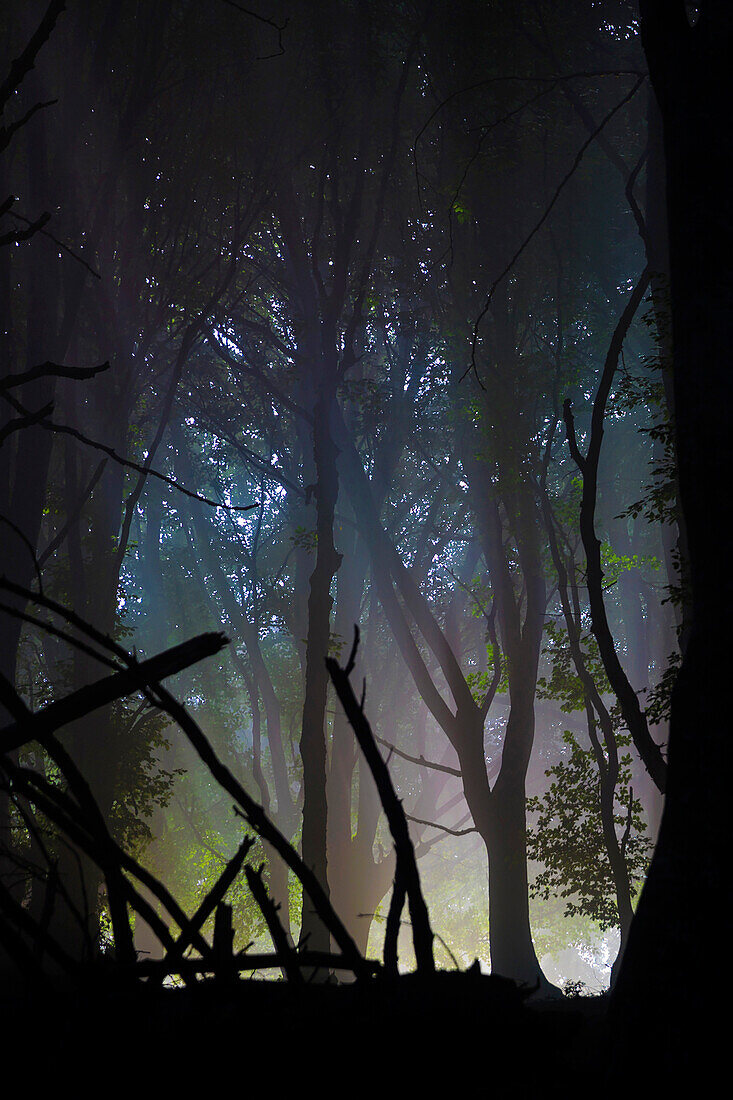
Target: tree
point(672, 968)
point(344, 289)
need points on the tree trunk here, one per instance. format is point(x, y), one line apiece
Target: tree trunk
point(673, 961)
point(510, 936)
point(313, 736)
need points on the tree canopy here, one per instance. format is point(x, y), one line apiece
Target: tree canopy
point(357, 375)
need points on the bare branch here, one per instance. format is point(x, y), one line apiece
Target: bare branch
point(404, 851)
point(23, 64)
point(27, 420)
point(6, 132)
point(209, 904)
point(50, 370)
point(37, 227)
point(418, 759)
point(289, 958)
point(443, 828)
point(41, 418)
point(279, 27)
point(99, 694)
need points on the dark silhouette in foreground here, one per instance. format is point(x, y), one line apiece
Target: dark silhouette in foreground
point(377, 1026)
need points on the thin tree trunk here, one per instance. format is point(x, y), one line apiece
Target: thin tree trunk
point(313, 736)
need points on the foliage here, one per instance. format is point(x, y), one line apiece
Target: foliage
point(567, 835)
point(563, 683)
point(659, 698)
point(291, 220)
point(614, 564)
point(142, 784)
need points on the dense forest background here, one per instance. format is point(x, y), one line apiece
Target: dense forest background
point(319, 315)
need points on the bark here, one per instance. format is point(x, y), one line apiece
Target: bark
point(510, 938)
point(657, 246)
point(596, 713)
point(313, 736)
point(512, 950)
point(672, 964)
point(634, 717)
point(406, 873)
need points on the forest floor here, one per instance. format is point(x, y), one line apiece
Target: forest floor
point(455, 1034)
point(425, 1037)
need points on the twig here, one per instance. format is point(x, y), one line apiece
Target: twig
point(404, 851)
point(65, 429)
point(418, 759)
point(92, 696)
point(27, 420)
point(56, 805)
point(552, 80)
point(279, 27)
point(17, 236)
point(253, 813)
point(209, 904)
point(443, 828)
point(6, 132)
point(290, 961)
point(37, 227)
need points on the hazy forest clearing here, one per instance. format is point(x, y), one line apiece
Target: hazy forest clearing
point(364, 419)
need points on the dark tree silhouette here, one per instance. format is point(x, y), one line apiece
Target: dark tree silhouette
point(673, 968)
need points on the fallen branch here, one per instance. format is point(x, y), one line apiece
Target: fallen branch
point(253, 813)
point(93, 696)
point(290, 960)
point(406, 864)
point(209, 904)
point(242, 962)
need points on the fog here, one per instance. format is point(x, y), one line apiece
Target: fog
point(377, 302)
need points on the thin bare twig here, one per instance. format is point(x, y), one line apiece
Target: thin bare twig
point(290, 962)
point(443, 828)
point(41, 418)
point(37, 227)
point(404, 851)
point(92, 696)
point(279, 27)
point(419, 759)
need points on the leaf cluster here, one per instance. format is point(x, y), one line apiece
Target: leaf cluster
point(567, 836)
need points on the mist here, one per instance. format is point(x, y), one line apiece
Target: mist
point(346, 568)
